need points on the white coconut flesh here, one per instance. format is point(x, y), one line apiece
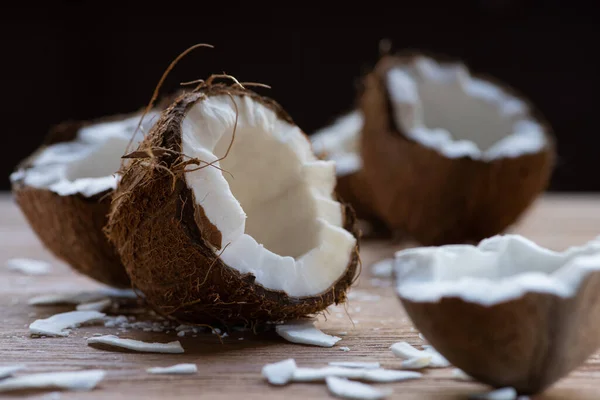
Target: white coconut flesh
point(499, 269)
point(273, 203)
point(340, 142)
point(443, 107)
point(86, 165)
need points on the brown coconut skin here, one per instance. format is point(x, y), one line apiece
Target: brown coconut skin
point(528, 343)
point(71, 227)
point(164, 238)
point(434, 199)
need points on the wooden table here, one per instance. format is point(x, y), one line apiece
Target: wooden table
point(232, 369)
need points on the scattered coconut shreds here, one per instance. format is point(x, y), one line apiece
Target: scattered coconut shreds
point(28, 266)
point(279, 373)
point(81, 297)
point(363, 296)
point(99, 305)
point(179, 369)
point(344, 348)
point(506, 393)
point(346, 389)
point(355, 364)
point(72, 380)
point(407, 352)
point(416, 363)
point(383, 269)
point(8, 370)
point(306, 333)
point(371, 375)
point(460, 375)
point(58, 324)
point(137, 345)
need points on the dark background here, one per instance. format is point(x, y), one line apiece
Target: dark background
point(80, 60)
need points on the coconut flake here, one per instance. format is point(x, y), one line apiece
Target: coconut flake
point(279, 373)
point(506, 393)
point(416, 363)
point(355, 364)
point(179, 369)
point(461, 375)
point(407, 352)
point(499, 269)
point(8, 370)
point(137, 345)
point(81, 297)
point(305, 333)
point(346, 389)
point(383, 269)
point(344, 348)
point(99, 305)
point(72, 380)
point(372, 375)
point(28, 266)
point(57, 324)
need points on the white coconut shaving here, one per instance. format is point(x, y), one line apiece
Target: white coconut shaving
point(178, 369)
point(461, 375)
point(407, 352)
point(88, 164)
point(137, 345)
point(9, 370)
point(100, 305)
point(383, 269)
point(442, 107)
point(305, 332)
point(81, 297)
point(346, 389)
point(379, 375)
point(279, 373)
point(416, 363)
point(28, 266)
point(499, 269)
point(58, 324)
point(356, 364)
point(340, 141)
point(506, 393)
point(72, 380)
point(345, 348)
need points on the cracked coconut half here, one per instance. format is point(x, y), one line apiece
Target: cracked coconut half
point(64, 190)
point(257, 235)
point(444, 156)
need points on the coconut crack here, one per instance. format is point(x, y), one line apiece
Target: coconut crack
point(271, 199)
point(136, 345)
point(71, 380)
point(58, 324)
point(443, 107)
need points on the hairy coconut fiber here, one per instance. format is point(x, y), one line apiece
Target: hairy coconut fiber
point(167, 243)
point(435, 199)
point(71, 226)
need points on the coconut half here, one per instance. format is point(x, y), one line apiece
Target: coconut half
point(64, 190)
point(449, 157)
point(507, 312)
point(255, 236)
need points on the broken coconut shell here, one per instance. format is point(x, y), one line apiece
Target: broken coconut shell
point(507, 312)
point(254, 235)
point(66, 197)
point(448, 157)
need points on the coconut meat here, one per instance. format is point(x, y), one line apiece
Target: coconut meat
point(271, 199)
point(443, 107)
point(173, 347)
point(340, 142)
point(86, 165)
point(499, 269)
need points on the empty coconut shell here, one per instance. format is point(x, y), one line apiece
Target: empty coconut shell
point(507, 312)
point(64, 190)
point(448, 157)
point(235, 219)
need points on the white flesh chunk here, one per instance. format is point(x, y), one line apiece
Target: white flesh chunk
point(355, 364)
point(29, 267)
point(279, 373)
point(137, 345)
point(507, 393)
point(9, 370)
point(405, 351)
point(81, 297)
point(416, 363)
point(379, 375)
point(499, 269)
point(75, 380)
point(346, 389)
point(88, 164)
point(99, 305)
point(274, 205)
point(306, 333)
point(179, 369)
point(442, 107)
point(58, 324)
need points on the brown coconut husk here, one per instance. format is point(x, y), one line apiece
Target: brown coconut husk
point(438, 200)
point(165, 241)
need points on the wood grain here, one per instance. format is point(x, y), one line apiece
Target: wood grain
point(232, 369)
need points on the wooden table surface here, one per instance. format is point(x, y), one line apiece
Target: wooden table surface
point(232, 369)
